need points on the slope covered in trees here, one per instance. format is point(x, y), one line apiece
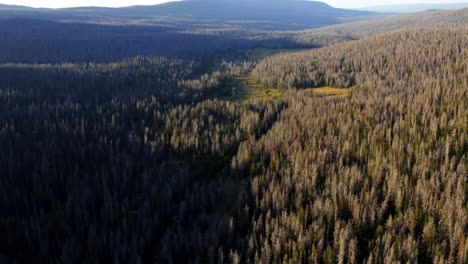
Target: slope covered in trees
point(431, 18)
point(413, 8)
point(380, 177)
point(345, 65)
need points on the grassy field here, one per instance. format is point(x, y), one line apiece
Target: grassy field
point(244, 88)
point(253, 89)
point(331, 92)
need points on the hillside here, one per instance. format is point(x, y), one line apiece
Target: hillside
point(352, 63)
point(375, 176)
point(424, 19)
point(413, 8)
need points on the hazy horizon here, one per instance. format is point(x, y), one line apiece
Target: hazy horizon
point(123, 3)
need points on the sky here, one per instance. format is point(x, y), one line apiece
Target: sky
point(119, 3)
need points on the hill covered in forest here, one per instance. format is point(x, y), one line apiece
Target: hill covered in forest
point(434, 18)
point(412, 8)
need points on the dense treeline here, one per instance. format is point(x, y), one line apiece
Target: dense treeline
point(101, 164)
point(380, 177)
point(170, 80)
point(136, 162)
point(348, 64)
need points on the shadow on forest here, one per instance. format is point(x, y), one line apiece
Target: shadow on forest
point(41, 41)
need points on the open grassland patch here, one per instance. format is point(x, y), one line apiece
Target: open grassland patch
point(331, 92)
point(255, 90)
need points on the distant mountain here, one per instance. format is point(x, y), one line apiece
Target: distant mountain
point(305, 13)
point(279, 14)
point(415, 7)
point(13, 7)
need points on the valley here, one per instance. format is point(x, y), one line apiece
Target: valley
point(204, 131)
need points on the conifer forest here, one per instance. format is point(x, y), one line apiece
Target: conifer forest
point(140, 135)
